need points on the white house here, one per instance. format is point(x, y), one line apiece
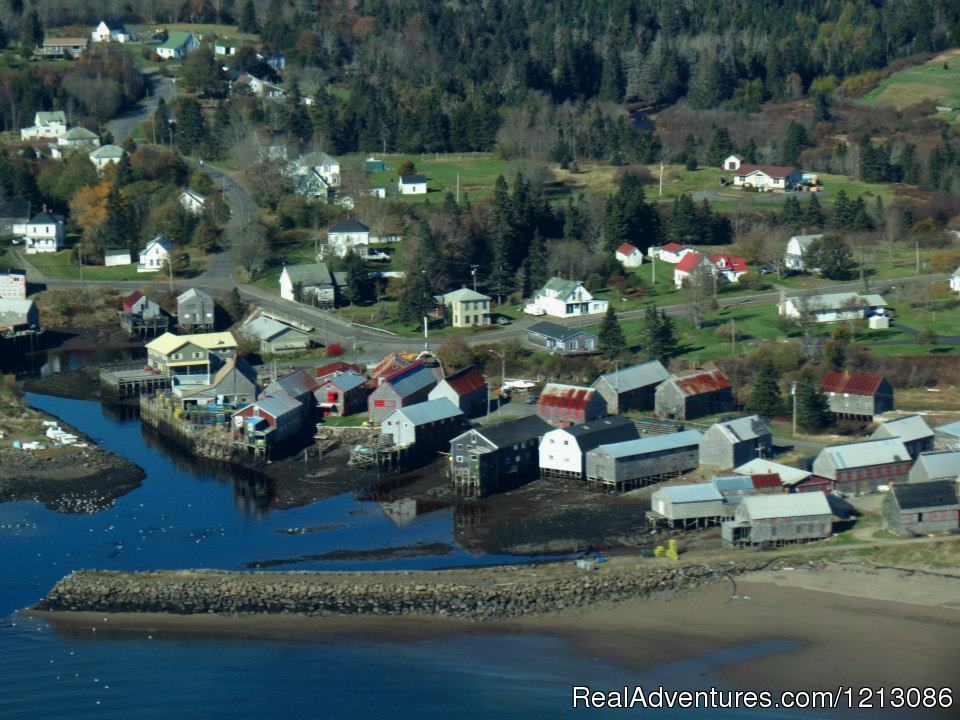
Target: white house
point(259, 87)
point(116, 256)
point(177, 45)
point(671, 252)
point(345, 235)
point(78, 138)
point(727, 268)
point(564, 298)
point(732, 162)
point(955, 280)
point(192, 201)
point(324, 166)
point(778, 178)
point(412, 185)
point(106, 155)
point(224, 50)
point(796, 247)
point(13, 285)
point(41, 233)
point(155, 254)
point(833, 307)
point(50, 124)
point(629, 255)
point(689, 264)
point(111, 31)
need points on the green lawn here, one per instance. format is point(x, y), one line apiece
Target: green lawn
point(229, 32)
point(929, 81)
point(478, 173)
point(63, 264)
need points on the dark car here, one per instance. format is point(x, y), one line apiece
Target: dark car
point(531, 399)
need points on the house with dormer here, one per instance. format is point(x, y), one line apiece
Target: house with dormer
point(564, 298)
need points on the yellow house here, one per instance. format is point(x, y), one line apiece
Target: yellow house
point(192, 358)
point(464, 308)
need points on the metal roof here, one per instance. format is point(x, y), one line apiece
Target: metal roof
point(79, 133)
point(168, 342)
point(465, 381)
point(700, 382)
point(160, 240)
point(698, 492)
point(627, 248)
point(337, 366)
point(655, 443)
point(411, 379)
point(14, 311)
point(774, 171)
point(935, 493)
point(563, 288)
point(743, 429)
point(276, 405)
point(464, 294)
point(866, 453)
point(192, 293)
point(267, 328)
point(348, 226)
point(851, 383)
point(785, 505)
point(176, 39)
point(909, 428)
point(344, 381)
point(108, 151)
point(788, 475)
point(804, 240)
point(45, 117)
point(732, 483)
point(565, 396)
point(425, 412)
point(513, 431)
point(554, 331)
point(630, 378)
point(937, 465)
point(689, 261)
point(597, 432)
point(296, 384)
point(836, 301)
point(412, 179)
point(309, 274)
point(948, 429)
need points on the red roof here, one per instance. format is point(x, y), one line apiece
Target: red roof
point(463, 382)
point(565, 396)
point(702, 382)
point(852, 383)
point(626, 249)
point(774, 171)
point(130, 300)
point(337, 366)
point(727, 262)
point(766, 481)
point(673, 247)
point(689, 262)
point(391, 364)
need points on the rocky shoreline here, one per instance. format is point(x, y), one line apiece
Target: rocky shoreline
point(475, 595)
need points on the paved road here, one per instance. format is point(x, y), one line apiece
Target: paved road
point(160, 87)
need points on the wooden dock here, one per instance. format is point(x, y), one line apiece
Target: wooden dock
point(121, 383)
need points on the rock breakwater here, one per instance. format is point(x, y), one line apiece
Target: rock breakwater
point(476, 594)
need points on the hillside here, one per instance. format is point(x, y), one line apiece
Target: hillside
point(937, 81)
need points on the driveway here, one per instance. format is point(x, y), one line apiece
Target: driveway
point(158, 87)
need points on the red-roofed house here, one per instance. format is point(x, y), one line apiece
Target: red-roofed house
point(394, 362)
point(778, 178)
point(693, 394)
point(730, 267)
point(629, 255)
point(726, 267)
point(407, 386)
point(467, 389)
point(671, 252)
point(857, 394)
point(566, 405)
point(130, 301)
point(335, 367)
point(688, 265)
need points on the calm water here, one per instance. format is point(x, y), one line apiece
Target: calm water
point(182, 517)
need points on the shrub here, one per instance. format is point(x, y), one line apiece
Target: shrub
point(334, 350)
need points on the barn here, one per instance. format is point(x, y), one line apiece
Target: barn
point(635, 463)
point(563, 451)
point(775, 520)
point(922, 508)
point(566, 405)
point(687, 506)
point(693, 394)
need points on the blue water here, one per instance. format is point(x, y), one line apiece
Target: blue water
point(184, 517)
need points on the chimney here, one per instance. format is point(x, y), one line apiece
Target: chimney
point(44, 206)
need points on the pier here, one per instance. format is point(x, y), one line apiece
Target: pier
point(132, 381)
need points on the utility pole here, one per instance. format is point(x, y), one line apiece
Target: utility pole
point(653, 266)
point(503, 379)
point(661, 178)
point(458, 190)
point(793, 394)
point(733, 336)
point(917, 246)
point(473, 271)
point(80, 264)
point(170, 270)
point(426, 337)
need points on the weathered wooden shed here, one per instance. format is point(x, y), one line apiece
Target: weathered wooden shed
point(405, 387)
point(693, 395)
point(923, 507)
point(467, 389)
point(735, 442)
point(195, 311)
point(861, 467)
point(563, 451)
point(635, 463)
point(857, 395)
point(427, 426)
point(774, 520)
point(687, 506)
point(494, 458)
point(911, 430)
point(943, 465)
point(565, 405)
point(631, 388)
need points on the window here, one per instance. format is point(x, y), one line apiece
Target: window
point(459, 458)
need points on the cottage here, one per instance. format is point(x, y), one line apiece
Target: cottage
point(922, 508)
point(155, 255)
point(192, 201)
point(629, 255)
point(687, 506)
point(335, 368)
point(50, 124)
point(106, 155)
point(566, 405)
point(178, 44)
point(341, 394)
point(111, 31)
point(735, 488)
point(78, 138)
point(635, 463)
point(790, 477)
point(345, 235)
point(778, 178)
point(136, 303)
point(222, 49)
point(15, 211)
point(561, 340)
point(428, 426)
point(671, 252)
point(775, 520)
point(730, 267)
point(563, 452)
point(274, 337)
point(325, 167)
point(495, 458)
point(267, 422)
point(732, 162)
point(72, 47)
point(309, 283)
point(797, 247)
point(955, 280)
point(42, 233)
point(858, 395)
point(191, 358)
point(722, 267)
point(18, 316)
point(412, 185)
point(466, 308)
point(13, 284)
point(834, 307)
point(405, 387)
point(912, 430)
point(259, 87)
point(862, 467)
point(693, 394)
point(631, 388)
point(115, 257)
point(298, 384)
point(392, 363)
point(734, 442)
point(940, 465)
point(195, 311)
point(564, 298)
point(467, 389)
point(235, 383)
point(312, 185)
point(947, 437)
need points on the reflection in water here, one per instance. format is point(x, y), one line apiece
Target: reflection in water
point(120, 412)
point(24, 362)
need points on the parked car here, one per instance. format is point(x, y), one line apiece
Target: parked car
point(531, 399)
point(503, 320)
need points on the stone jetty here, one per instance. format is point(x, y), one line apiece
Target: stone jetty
point(474, 594)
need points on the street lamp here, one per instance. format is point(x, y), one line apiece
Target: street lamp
point(503, 379)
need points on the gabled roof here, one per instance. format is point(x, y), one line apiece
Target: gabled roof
point(348, 226)
point(866, 453)
point(176, 39)
point(572, 397)
point(936, 465)
point(554, 331)
point(689, 261)
point(729, 262)
point(908, 429)
point(107, 152)
point(411, 379)
point(774, 171)
point(804, 240)
point(116, 252)
point(563, 288)
point(344, 381)
point(464, 295)
point(168, 342)
point(743, 429)
point(673, 247)
point(79, 133)
point(130, 300)
point(337, 366)
point(44, 218)
point(241, 366)
point(45, 117)
point(266, 328)
point(948, 429)
point(515, 431)
point(836, 301)
point(608, 430)
point(626, 248)
point(700, 382)
point(735, 157)
point(637, 376)
point(275, 405)
point(788, 475)
point(14, 311)
point(309, 274)
point(412, 179)
point(733, 483)
point(191, 293)
point(191, 193)
point(654, 443)
point(382, 368)
point(935, 493)
point(465, 381)
point(767, 480)
point(161, 241)
point(115, 25)
point(426, 412)
point(760, 507)
point(697, 492)
point(296, 384)
point(851, 383)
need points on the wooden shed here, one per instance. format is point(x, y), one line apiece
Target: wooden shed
point(635, 463)
point(693, 395)
point(857, 395)
point(861, 467)
point(631, 388)
point(687, 506)
point(911, 429)
point(922, 507)
point(774, 520)
point(566, 405)
point(732, 443)
point(494, 458)
point(943, 465)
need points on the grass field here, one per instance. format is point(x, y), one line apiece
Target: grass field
point(929, 81)
point(63, 264)
point(221, 31)
point(478, 172)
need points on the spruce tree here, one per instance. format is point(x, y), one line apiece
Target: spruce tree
point(124, 174)
point(842, 211)
point(500, 280)
point(33, 30)
point(611, 337)
point(658, 336)
point(813, 215)
point(612, 81)
point(248, 19)
point(537, 273)
point(416, 300)
point(765, 397)
point(813, 412)
point(720, 147)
